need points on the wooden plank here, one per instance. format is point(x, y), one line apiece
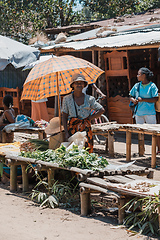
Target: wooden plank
point(98, 182)
point(134, 177)
point(117, 179)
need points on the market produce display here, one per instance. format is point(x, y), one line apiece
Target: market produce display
point(150, 187)
point(74, 157)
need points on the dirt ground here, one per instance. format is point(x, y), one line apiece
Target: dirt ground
point(22, 219)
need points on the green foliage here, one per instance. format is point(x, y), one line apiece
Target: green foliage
point(69, 158)
point(113, 8)
point(58, 194)
point(147, 5)
point(144, 215)
point(39, 144)
point(22, 19)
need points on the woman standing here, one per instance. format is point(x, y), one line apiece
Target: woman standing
point(77, 108)
point(144, 94)
point(7, 117)
point(39, 110)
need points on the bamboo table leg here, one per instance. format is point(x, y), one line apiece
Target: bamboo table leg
point(154, 143)
point(128, 146)
point(141, 144)
point(159, 216)
point(121, 210)
point(24, 178)
point(44, 135)
point(4, 137)
point(111, 143)
point(85, 202)
point(13, 178)
point(50, 177)
point(40, 135)
point(106, 149)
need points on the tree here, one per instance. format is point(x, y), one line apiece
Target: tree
point(100, 9)
point(20, 19)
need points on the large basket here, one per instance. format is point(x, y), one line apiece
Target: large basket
point(56, 140)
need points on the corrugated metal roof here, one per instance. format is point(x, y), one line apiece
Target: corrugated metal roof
point(121, 39)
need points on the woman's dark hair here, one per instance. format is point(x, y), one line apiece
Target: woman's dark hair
point(8, 101)
point(149, 74)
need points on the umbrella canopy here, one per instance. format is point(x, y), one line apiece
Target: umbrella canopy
point(16, 53)
point(53, 77)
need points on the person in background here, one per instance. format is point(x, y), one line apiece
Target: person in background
point(98, 91)
point(145, 97)
point(76, 108)
point(7, 116)
point(39, 110)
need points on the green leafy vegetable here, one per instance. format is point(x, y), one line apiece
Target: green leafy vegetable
point(74, 157)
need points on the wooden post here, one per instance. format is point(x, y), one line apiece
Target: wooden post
point(106, 149)
point(59, 107)
point(121, 210)
point(44, 135)
point(99, 65)
point(159, 216)
point(141, 149)
point(24, 178)
point(93, 61)
point(13, 178)
point(111, 143)
point(85, 204)
point(4, 136)
point(50, 177)
point(56, 106)
point(154, 143)
point(128, 146)
point(40, 135)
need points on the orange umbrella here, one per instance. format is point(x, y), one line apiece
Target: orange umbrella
point(53, 77)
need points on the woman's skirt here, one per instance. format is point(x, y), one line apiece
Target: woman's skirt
point(81, 125)
point(39, 111)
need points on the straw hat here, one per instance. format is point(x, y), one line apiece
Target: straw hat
point(53, 126)
point(78, 77)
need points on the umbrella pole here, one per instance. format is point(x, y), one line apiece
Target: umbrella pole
point(59, 109)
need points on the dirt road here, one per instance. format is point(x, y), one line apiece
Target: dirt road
point(21, 219)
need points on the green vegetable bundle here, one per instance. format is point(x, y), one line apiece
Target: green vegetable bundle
point(74, 157)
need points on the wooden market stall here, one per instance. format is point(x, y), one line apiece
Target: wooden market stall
point(120, 49)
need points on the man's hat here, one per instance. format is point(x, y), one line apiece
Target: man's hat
point(78, 77)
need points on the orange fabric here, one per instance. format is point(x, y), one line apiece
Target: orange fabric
point(43, 79)
point(81, 125)
point(39, 111)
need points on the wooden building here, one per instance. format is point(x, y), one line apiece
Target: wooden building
point(120, 49)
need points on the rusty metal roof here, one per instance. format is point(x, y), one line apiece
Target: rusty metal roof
point(129, 30)
point(123, 37)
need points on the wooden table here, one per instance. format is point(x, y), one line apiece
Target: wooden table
point(40, 131)
point(107, 130)
point(14, 160)
point(91, 181)
point(107, 186)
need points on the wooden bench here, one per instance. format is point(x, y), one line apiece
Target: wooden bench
point(110, 186)
point(108, 129)
point(32, 130)
point(91, 181)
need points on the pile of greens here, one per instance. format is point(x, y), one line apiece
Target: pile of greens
point(74, 157)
